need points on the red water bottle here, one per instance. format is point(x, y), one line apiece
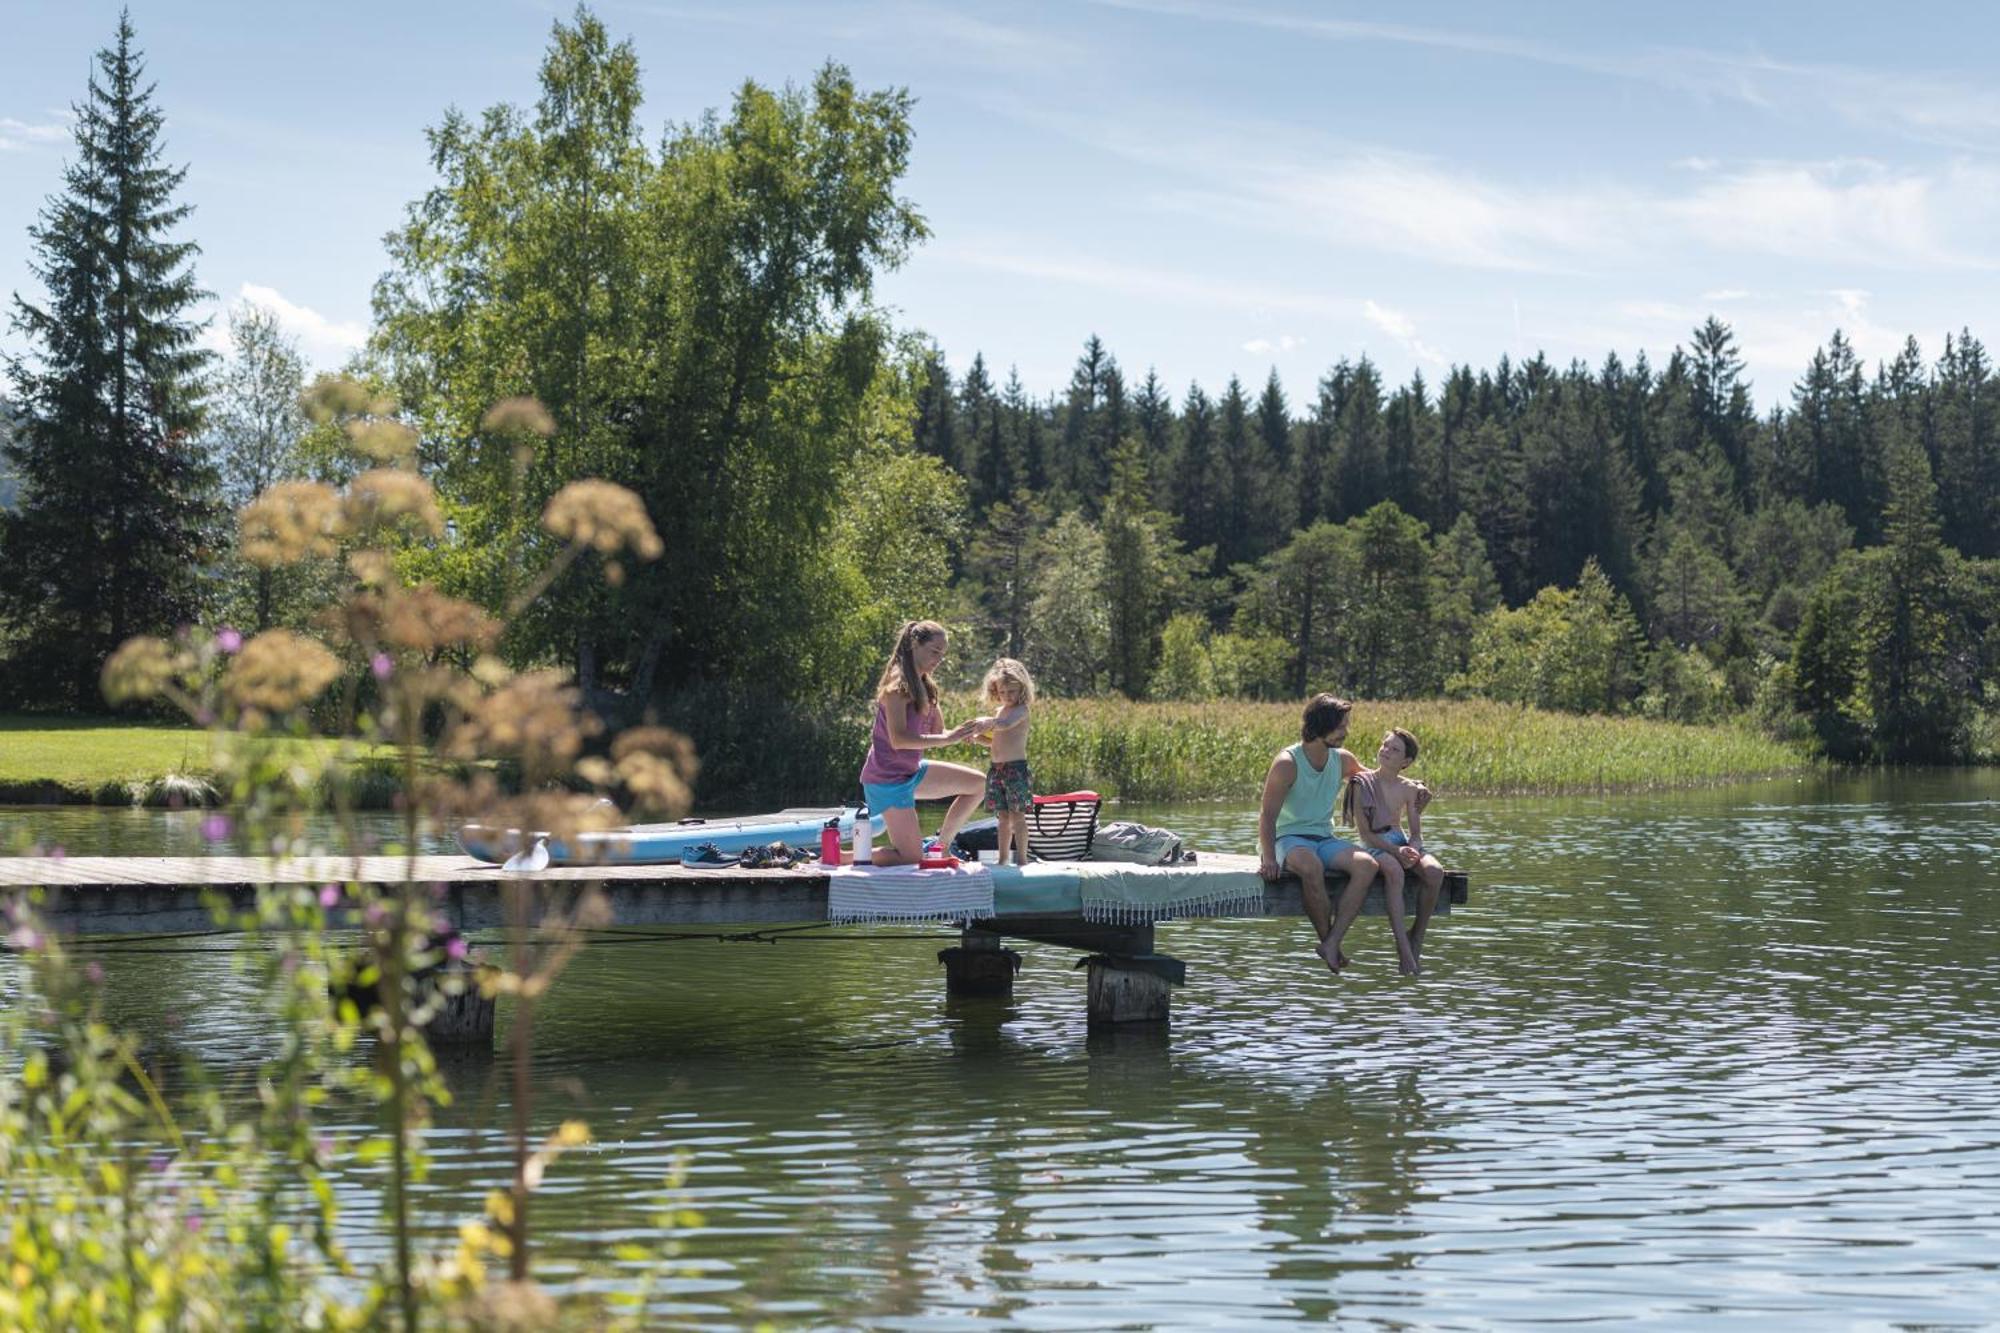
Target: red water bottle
point(829, 842)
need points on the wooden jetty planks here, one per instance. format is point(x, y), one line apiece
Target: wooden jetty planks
point(146, 895)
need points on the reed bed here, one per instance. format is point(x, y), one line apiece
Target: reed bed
point(1132, 751)
point(1166, 751)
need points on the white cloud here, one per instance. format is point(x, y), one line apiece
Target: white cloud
point(325, 343)
point(1697, 164)
point(18, 134)
point(1273, 176)
point(1172, 285)
point(1284, 342)
point(1723, 294)
point(1923, 105)
point(1845, 211)
point(1403, 329)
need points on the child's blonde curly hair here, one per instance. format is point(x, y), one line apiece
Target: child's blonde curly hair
point(1008, 676)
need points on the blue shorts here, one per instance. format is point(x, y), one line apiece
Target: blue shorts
point(1327, 846)
point(1395, 837)
point(902, 795)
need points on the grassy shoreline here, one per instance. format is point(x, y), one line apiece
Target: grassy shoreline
point(1130, 751)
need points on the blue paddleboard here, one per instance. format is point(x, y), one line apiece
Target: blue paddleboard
point(660, 844)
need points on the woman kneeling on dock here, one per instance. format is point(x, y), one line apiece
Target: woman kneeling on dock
point(908, 722)
point(1295, 823)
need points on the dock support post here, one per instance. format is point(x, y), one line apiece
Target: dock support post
point(1131, 988)
point(466, 1018)
point(979, 966)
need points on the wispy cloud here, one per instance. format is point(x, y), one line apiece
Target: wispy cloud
point(1171, 285)
point(326, 343)
point(19, 134)
point(1284, 342)
point(1403, 329)
point(1933, 108)
point(1272, 176)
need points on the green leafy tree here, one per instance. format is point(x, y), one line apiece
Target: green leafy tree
point(699, 323)
point(1069, 635)
point(1301, 595)
point(1184, 670)
point(256, 422)
point(117, 502)
point(1571, 649)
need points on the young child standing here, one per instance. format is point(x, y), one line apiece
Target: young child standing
point(1378, 800)
point(1009, 786)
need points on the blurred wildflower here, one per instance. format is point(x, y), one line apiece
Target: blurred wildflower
point(522, 415)
point(228, 639)
point(604, 517)
point(382, 440)
point(656, 764)
point(533, 717)
point(333, 396)
point(142, 668)
point(391, 497)
point(290, 522)
point(279, 670)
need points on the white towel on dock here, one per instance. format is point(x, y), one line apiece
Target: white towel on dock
point(908, 893)
point(1133, 895)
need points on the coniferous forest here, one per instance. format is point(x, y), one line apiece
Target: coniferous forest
point(694, 310)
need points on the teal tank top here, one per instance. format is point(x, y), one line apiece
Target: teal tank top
point(1308, 807)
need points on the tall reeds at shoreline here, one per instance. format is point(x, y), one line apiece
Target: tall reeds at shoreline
point(1220, 750)
point(1164, 752)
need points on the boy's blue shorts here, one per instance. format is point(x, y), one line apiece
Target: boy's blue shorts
point(1326, 846)
point(902, 795)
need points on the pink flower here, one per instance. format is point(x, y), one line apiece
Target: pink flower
point(454, 948)
point(228, 640)
point(329, 895)
point(381, 666)
point(215, 828)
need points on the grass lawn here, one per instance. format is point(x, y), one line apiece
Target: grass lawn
point(83, 753)
point(102, 760)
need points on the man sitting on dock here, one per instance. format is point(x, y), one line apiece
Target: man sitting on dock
point(1295, 823)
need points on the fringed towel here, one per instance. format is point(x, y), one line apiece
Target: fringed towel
point(908, 893)
point(1129, 895)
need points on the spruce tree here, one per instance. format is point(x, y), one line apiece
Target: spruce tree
point(117, 497)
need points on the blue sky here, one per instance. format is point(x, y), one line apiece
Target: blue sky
point(1213, 188)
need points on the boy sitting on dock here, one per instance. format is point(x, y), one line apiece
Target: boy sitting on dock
point(1377, 801)
point(1295, 823)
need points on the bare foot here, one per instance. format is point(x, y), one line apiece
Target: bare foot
point(1407, 960)
point(1333, 964)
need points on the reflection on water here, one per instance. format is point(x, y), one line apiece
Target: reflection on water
point(1692, 1056)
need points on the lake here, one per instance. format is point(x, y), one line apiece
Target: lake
point(1709, 1057)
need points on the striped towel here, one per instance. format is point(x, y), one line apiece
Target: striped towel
point(907, 893)
point(1133, 895)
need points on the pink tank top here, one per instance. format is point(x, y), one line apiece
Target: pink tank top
point(887, 764)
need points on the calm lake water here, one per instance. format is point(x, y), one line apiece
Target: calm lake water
point(1712, 1058)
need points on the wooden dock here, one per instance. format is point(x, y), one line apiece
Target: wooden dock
point(147, 895)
